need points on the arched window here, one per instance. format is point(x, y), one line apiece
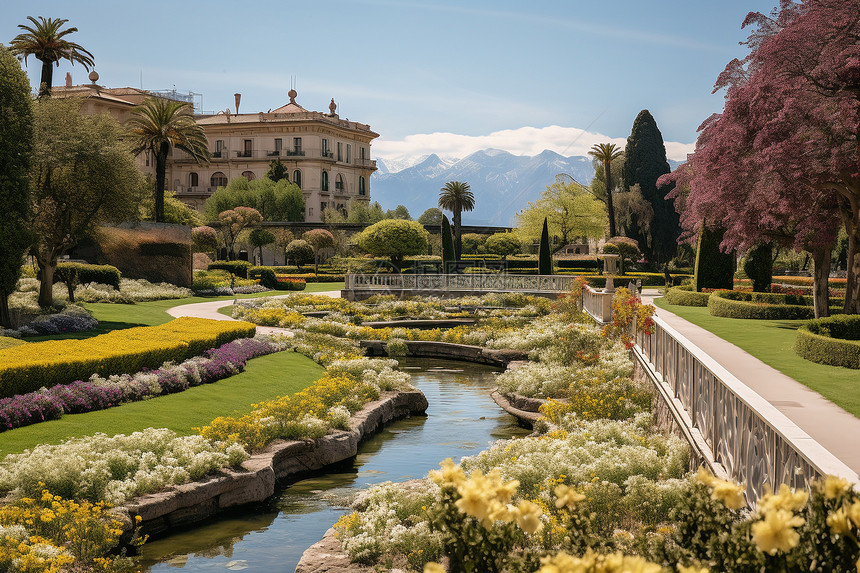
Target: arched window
point(218, 179)
point(249, 175)
point(324, 184)
point(362, 190)
point(193, 179)
point(339, 185)
point(297, 178)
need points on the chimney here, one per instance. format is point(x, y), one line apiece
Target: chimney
point(68, 80)
point(238, 99)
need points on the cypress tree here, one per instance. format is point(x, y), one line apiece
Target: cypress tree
point(448, 257)
point(645, 161)
point(16, 142)
point(714, 269)
point(544, 253)
point(758, 266)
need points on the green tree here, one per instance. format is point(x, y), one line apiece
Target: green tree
point(399, 212)
point(299, 252)
point(175, 211)
point(45, 40)
point(758, 266)
point(714, 268)
point(283, 238)
point(570, 211)
point(605, 153)
point(275, 200)
point(259, 238)
point(457, 197)
point(233, 222)
point(645, 161)
point(432, 216)
point(83, 174)
point(364, 212)
point(394, 238)
point(319, 239)
point(473, 243)
point(449, 258)
point(278, 171)
point(204, 239)
point(158, 125)
point(16, 142)
point(503, 244)
point(544, 252)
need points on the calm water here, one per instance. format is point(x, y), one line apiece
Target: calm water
point(461, 420)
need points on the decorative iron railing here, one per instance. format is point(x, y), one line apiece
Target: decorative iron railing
point(451, 282)
point(748, 438)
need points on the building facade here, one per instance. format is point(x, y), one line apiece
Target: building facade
point(326, 156)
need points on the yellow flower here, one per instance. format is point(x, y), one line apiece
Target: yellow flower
point(705, 477)
point(528, 516)
point(433, 568)
point(567, 496)
point(784, 499)
point(473, 500)
point(450, 474)
point(834, 486)
point(838, 522)
point(731, 494)
point(693, 569)
point(854, 513)
point(776, 531)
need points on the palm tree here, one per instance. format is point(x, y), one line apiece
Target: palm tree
point(159, 124)
point(44, 39)
point(606, 152)
point(457, 197)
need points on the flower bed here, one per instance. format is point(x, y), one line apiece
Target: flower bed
point(25, 369)
point(98, 393)
point(130, 291)
point(71, 319)
point(834, 341)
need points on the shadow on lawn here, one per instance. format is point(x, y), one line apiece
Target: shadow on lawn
point(103, 328)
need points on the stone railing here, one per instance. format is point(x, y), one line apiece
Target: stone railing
point(465, 283)
point(597, 303)
point(740, 434)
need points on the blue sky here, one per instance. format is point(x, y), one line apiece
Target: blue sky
point(445, 77)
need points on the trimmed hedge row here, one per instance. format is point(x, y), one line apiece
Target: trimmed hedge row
point(272, 280)
point(763, 306)
point(834, 341)
point(258, 272)
point(238, 268)
point(29, 367)
point(82, 273)
point(686, 296)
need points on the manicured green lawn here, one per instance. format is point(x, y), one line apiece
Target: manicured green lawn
point(264, 378)
point(772, 342)
point(116, 316)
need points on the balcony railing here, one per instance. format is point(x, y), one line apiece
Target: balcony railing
point(362, 162)
point(326, 154)
point(295, 153)
point(339, 187)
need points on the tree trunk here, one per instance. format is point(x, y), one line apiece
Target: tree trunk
point(47, 79)
point(160, 169)
point(5, 317)
point(607, 177)
point(458, 240)
point(46, 286)
point(852, 286)
point(821, 289)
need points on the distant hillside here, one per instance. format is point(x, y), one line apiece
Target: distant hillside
point(503, 183)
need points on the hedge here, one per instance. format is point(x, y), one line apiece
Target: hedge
point(686, 296)
point(178, 250)
point(86, 274)
point(257, 272)
point(31, 366)
point(238, 268)
point(648, 279)
point(834, 341)
point(763, 306)
point(272, 280)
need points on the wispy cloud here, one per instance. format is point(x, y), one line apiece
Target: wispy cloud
point(527, 140)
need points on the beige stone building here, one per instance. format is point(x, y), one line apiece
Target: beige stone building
point(328, 157)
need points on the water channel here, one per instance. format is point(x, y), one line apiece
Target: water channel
point(462, 420)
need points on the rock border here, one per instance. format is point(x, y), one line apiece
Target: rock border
point(197, 501)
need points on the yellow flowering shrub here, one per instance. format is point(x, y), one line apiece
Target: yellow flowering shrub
point(53, 535)
point(29, 367)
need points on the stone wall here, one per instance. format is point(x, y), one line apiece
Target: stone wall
point(449, 351)
point(185, 504)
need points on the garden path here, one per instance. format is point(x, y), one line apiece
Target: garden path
point(834, 428)
point(210, 310)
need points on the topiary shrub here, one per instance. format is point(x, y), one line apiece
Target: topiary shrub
point(834, 341)
point(686, 296)
point(714, 269)
point(758, 266)
point(74, 274)
point(763, 306)
point(238, 268)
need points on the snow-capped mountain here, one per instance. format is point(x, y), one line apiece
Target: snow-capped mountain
point(502, 183)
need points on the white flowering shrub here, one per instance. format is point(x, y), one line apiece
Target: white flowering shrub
point(397, 347)
point(338, 417)
point(116, 468)
point(130, 291)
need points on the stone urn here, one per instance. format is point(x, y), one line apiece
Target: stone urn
point(610, 269)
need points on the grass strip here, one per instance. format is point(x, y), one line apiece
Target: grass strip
point(772, 342)
point(264, 378)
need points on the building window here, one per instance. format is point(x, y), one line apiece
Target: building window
point(339, 185)
point(219, 148)
point(297, 178)
point(324, 183)
point(246, 149)
point(193, 179)
point(310, 211)
point(147, 158)
point(348, 153)
point(362, 190)
point(218, 179)
point(279, 145)
point(339, 151)
point(249, 175)
point(362, 154)
point(324, 149)
point(297, 147)
point(323, 205)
